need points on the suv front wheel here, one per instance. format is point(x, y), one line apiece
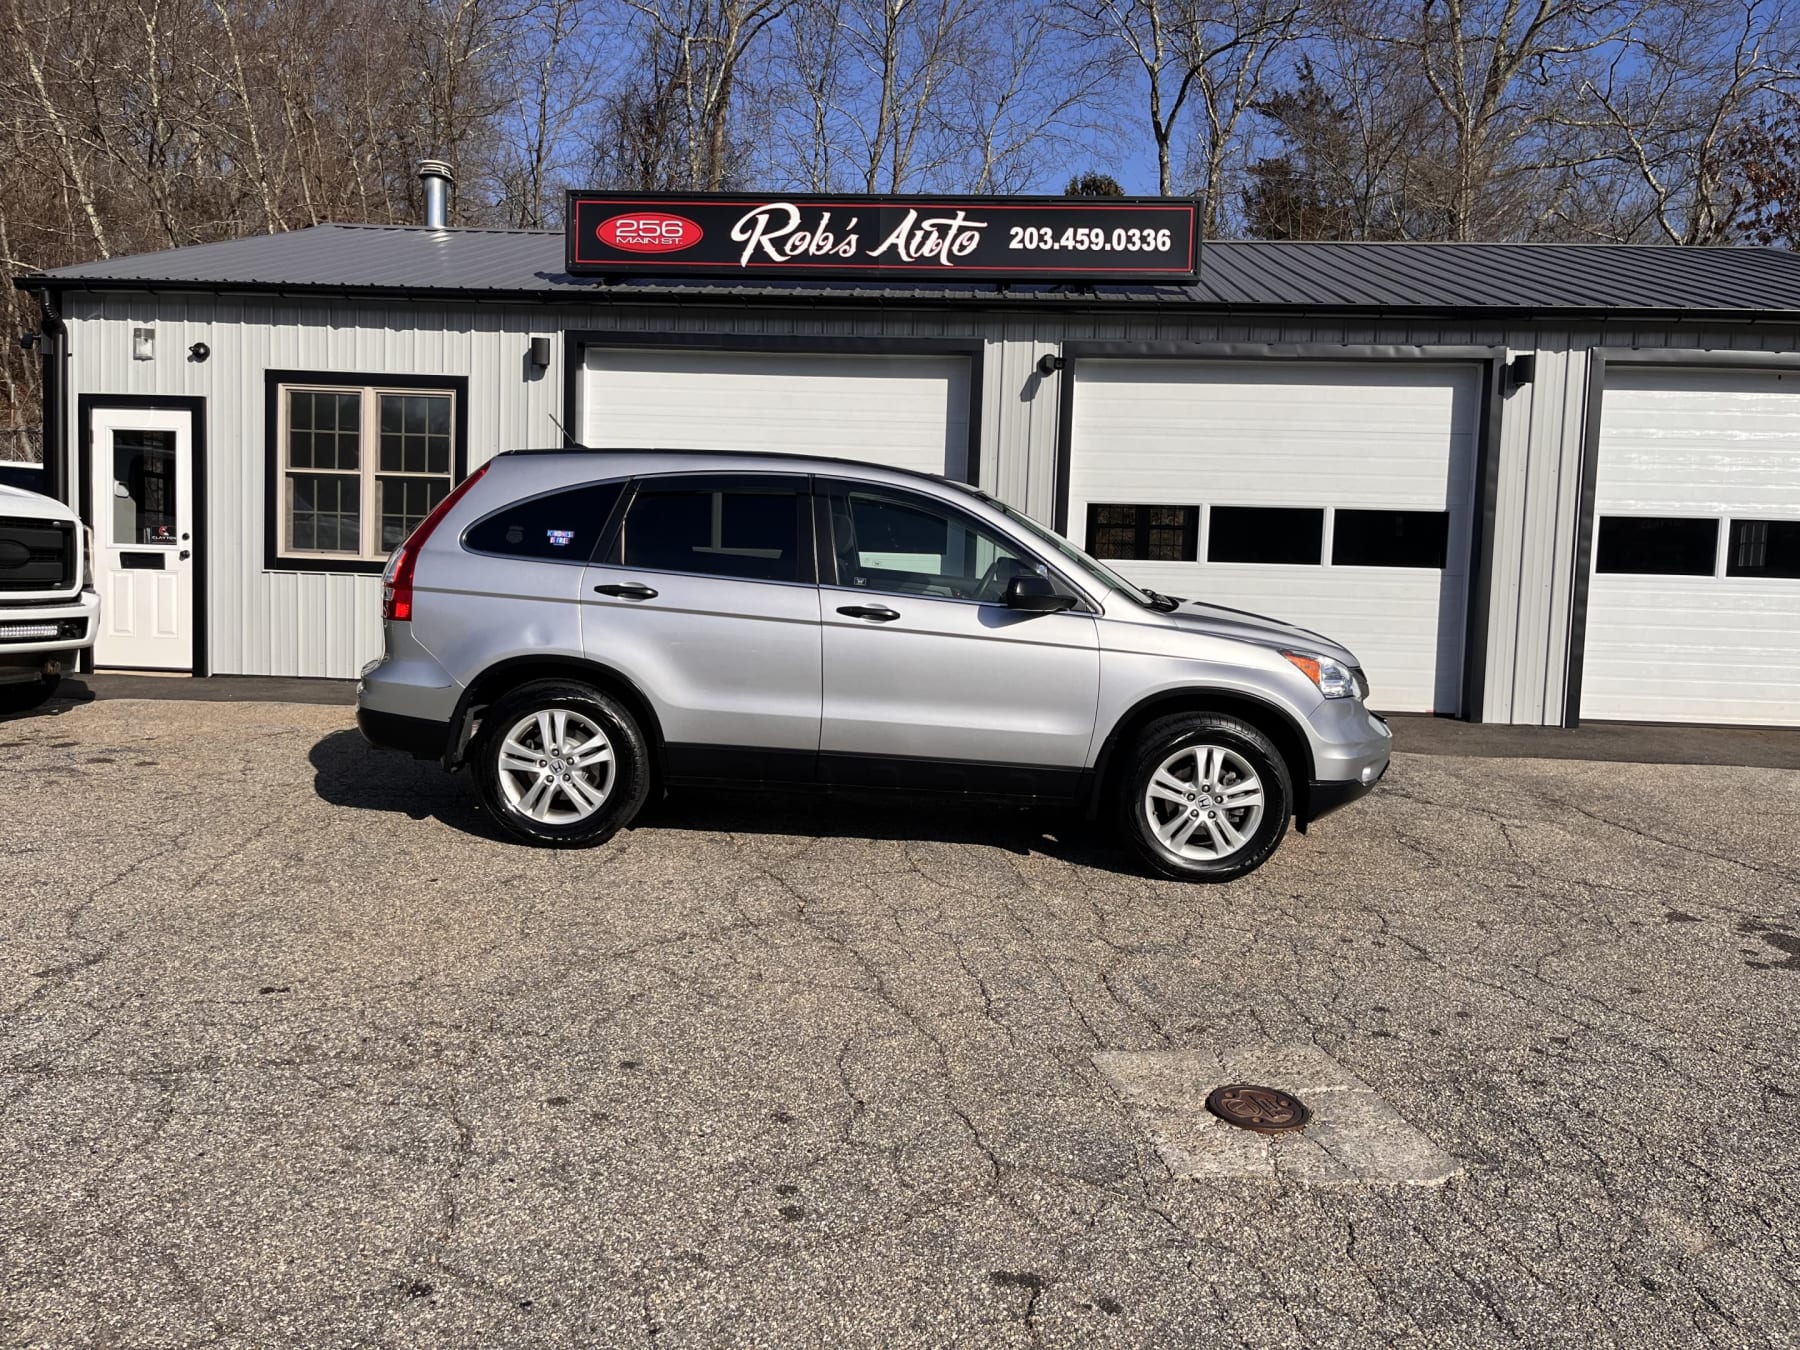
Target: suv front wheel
point(1206, 797)
point(561, 764)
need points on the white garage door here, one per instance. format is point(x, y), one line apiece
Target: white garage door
point(1334, 495)
point(908, 411)
point(1694, 601)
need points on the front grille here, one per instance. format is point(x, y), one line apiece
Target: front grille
point(43, 630)
point(36, 555)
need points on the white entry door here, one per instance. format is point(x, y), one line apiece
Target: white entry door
point(142, 492)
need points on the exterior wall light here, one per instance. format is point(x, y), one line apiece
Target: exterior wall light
point(540, 352)
point(143, 344)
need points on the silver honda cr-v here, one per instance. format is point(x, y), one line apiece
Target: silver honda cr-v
point(584, 627)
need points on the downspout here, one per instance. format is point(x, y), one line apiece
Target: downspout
point(53, 354)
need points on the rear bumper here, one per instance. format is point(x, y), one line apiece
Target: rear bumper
point(417, 736)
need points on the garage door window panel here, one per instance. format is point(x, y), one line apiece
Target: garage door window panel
point(1362, 538)
point(361, 468)
point(747, 534)
point(1266, 534)
point(1667, 546)
point(1143, 533)
point(1764, 548)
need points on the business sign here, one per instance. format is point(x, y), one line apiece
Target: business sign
point(971, 238)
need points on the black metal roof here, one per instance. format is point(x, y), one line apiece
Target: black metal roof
point(447, 264)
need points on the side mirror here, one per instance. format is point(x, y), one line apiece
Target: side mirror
point(1035, 595)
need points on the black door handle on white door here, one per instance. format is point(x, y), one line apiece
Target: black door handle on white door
point(627, 590)
point(875, 613)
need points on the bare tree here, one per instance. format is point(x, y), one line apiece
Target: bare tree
point(562, 71)
point(699, 49)
point(1218, 52)
point(1670, 110)
point(1501, 72)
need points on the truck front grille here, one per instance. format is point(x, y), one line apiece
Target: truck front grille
point(36, 555)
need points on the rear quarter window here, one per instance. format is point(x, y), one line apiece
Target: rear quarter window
point(563, 526)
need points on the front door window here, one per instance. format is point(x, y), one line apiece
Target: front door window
point(898, 544)
point(143, 487)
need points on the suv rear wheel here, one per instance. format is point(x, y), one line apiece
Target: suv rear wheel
point(561, 764)
point(1206, 797)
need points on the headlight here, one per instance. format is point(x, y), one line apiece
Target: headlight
point(1333, 677)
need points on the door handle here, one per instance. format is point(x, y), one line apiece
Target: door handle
point(875, 613)
point(627, 590)
point(184, 555)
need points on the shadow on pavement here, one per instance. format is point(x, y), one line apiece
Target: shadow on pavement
point(348, 772)
point(69, 694)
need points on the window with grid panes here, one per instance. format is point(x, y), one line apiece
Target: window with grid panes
point(362, 467)
point(1144, 533)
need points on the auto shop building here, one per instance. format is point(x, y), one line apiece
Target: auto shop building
point(1525, 483)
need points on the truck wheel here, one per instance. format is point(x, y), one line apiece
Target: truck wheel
point(1205, 797)
point(18, 698)
point(561, 764)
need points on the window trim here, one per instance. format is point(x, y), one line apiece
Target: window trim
point(274, 487)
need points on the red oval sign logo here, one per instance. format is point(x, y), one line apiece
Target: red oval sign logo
point(648, 232)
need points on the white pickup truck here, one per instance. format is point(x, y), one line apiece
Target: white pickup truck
point(48, 608)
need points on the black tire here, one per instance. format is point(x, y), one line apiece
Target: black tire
point(23, 697)
point(624, 793)
point(1168, 737)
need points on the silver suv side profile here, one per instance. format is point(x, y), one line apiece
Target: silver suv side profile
point(581, 628)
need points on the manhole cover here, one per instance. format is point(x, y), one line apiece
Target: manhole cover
point(1266, 1110)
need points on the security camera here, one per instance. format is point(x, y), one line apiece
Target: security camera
point(30, 340)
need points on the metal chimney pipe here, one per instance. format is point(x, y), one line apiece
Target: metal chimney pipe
point(436, 176)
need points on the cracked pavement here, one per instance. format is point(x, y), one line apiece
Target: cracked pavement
point(294, 1051)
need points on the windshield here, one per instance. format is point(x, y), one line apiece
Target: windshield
point(1092, 566)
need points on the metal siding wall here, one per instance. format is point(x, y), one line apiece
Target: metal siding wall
point(320, 624)
point(304, 623)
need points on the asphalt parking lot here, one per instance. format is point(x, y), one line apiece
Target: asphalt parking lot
point(295, 1051)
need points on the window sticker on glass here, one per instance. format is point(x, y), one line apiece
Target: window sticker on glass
point(559, 538)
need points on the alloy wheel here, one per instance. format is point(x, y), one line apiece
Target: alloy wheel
point(1204, 802)
point(556, 766)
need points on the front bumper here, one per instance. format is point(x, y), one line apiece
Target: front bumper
point(29, 632)
point(1351, 750)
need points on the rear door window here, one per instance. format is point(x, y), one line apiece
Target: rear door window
point(747, 527)
point(565, 526)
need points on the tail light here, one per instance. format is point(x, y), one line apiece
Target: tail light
point(397, 583)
